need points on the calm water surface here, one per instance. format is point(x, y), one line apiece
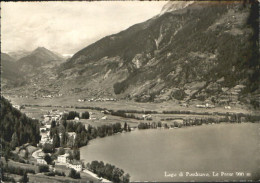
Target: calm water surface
point(147, 154)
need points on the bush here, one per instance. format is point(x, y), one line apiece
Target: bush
point(73, 174)
point(44, 168)
point(59, 173)
point(47, 148)
point(49, 174)
point(85, 115)
point(48, 159)
point(17, 170)
point(24, 178)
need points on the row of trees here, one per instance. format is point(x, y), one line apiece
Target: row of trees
point(109, 172)
point(196, 122)
point(16, 170)
point(59, 132)
point(73, 114)
point(124, 115)
point(247, 117)
point(120, 111)
point(152, 125)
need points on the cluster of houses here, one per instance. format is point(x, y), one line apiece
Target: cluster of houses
point(147, 116)
point(97, 100)
point(207, 105)
point(64, 160)
point(17, 107)
point(47, 96)
point(230, 96)
point(53, 115)
point(61, 160)
point(39, 156)
point(46, 139)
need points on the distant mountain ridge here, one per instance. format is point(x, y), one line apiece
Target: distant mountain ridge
point(40, 64)
point(37, 58)
point(16, 55)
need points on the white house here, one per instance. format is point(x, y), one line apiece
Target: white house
point(63, 158)
point(46, 118)
point(76, 165)
point(41, 161)
point(148, 116)
point(201, 106)
point(48, 126)
point(104, 117)
point(17, 107)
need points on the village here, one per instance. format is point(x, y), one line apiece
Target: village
point(58, 160)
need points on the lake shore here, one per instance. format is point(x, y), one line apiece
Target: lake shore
point(214, 141)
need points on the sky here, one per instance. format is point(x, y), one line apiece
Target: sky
point(67, 27)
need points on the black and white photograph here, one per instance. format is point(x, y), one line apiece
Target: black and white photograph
point(130, 91)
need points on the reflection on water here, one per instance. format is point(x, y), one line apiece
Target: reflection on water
point(149, 154)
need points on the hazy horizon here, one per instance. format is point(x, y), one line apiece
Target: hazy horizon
point(67, 27)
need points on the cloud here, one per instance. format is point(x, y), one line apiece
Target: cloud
point(67, 27)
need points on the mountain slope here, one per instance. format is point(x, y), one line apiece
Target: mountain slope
point(39, 68)
point(40, 57)
point(38, 71)
point(197, 51)
point(10, 73)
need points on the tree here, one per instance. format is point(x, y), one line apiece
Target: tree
point(61, 151)
point(76, 154)
point(47, 148)
point(43, 168)
point(129, 129)
point(117, 174)
point(53, 124)
point(26, 155)
point(63, 139)
point(126, 178)
point(85, 115)
point(24, 178)
point(125, 126)
point(72, 115)
point(56, 140)
point(73, 174)
point(70, 157)
point(53, 129)
point(14, 142)
point(48, 159)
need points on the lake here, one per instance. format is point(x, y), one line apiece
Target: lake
point(161, 154)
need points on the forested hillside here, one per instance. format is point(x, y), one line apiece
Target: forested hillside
point(16, 127)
